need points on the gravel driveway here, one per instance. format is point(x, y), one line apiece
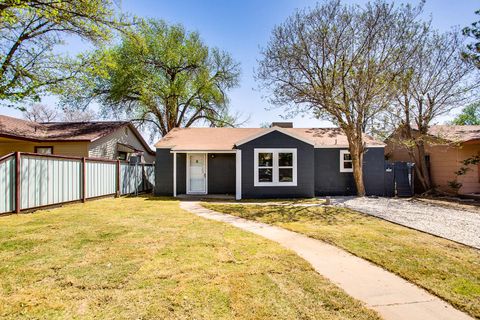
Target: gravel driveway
point(454, 224)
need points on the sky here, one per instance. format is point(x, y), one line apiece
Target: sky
point(242, 27)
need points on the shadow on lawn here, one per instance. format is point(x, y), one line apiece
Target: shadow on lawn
point(286, 214)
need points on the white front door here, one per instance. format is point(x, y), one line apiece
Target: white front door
point(197, 173)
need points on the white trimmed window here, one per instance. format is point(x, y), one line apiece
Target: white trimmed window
point(346, 164)
point(275, 167)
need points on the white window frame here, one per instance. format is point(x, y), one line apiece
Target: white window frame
point(342, 162)
point(275, 168)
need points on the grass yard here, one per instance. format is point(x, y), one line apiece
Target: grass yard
point(145, 258)
point(284, 201)
point(445, 268)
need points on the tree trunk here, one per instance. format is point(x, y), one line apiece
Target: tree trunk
point(421, 167)
point(356, 152)
point(416, 152)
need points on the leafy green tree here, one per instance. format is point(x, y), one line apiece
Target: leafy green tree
point(473, 49)
point(470, 115)
point(162, 76)
point(31, 31)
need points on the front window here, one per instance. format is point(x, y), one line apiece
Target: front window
point(44, 150)
point(275, 167)
point(346, 164)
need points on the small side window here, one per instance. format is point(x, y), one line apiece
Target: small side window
point(346, 164)
point(44, 150)
point(122, 155)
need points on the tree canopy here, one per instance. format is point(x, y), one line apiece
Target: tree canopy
point(32, 30)
point(161, 75)
point(473, 48)
point(470, 115)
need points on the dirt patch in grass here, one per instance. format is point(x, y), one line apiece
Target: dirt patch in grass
point(144, 258)
point(445, 268)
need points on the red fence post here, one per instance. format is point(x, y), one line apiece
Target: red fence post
point(84, 179)
point(17, 182)
point(118, 179)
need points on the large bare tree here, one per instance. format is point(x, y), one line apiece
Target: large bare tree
point(44, 113)
point(75, 115)
point(437, 80)
point(341, 63)
point(40, 113)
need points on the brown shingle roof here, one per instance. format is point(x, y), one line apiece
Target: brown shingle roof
point(331, 137)
point(205, 138)
point(54, 131)
point(455, 133)
point(210, 139)
point(63, 131)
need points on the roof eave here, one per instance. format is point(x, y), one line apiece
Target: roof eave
point(270, 130)
point(18, 137)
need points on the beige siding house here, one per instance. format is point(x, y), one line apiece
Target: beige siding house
point(449, 147)
point(100, 139)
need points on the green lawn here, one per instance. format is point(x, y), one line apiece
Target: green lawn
point(145, 258)
point(445, 268)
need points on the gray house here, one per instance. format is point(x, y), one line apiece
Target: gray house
point(275, 162)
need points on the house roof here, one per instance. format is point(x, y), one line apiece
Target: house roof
point(62, 131)
point(218, 139)
point(455, 133)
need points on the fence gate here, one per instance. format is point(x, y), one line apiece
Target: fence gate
point(403, 176)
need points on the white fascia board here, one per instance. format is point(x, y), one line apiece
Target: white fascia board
point(345, 146)
point(269, 130)
point(238, 174)
point(202, 151)
point(174, 174)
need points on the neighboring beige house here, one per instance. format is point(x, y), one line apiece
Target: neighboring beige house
point(449, 146)
point(98, 139)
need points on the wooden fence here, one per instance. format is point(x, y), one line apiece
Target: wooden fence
point(29, 180)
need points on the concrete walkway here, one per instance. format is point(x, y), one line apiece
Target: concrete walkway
point(391, 296)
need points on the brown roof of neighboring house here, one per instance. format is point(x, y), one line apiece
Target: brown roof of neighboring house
point(62, 131)
point(211, 139)
point(455, 133)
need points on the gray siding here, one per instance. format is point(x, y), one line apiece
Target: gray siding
point(305, 162)
point(181, 173)
point(318, 171)
point(374, 172)
point(330, 181)
point(221, 173)
point(106, 147)
point(163, 173)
